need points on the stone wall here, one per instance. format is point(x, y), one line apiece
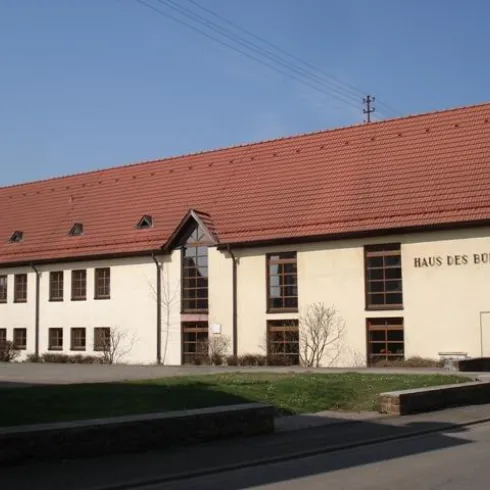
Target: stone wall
point(133, 433)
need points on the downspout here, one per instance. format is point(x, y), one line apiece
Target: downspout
point(235, 302)
point(159, 309)
point(36, 321)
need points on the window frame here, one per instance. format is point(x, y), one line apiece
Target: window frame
point(3, 335)
point(74, 347)
point(3, 289)
point(101, 347)
point(23, 333)
point(268, 263)
point(55, 339)
point(55, 287)
point(75, 297)
point(284, 326)
point(106, 283)
point(383, 324)
point(17, 278)
point(382, 250)
point(198, 327)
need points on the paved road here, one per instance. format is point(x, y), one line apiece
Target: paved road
point(18, 374)
point(444, 461)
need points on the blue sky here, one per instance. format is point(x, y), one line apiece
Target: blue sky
point(96, 83)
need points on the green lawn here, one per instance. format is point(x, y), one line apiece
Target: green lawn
point(289, 393)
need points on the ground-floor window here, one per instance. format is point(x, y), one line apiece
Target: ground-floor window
point(385, 339)
point(20, 338)
point(3, 336)
point(55, 339)
point(194, 342)
point(283, 342)
point(78, 339)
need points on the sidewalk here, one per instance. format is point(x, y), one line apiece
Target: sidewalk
point(121, 472)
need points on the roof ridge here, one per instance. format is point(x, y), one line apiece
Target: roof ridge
point(246, 144)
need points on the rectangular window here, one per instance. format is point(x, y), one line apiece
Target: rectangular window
point(56, 280)
point(383, 264)
point(78, 339)
point(195, 342)
point(3, 336)
point(20, 288)
point(102, 338)
point(20, 338)
point(79, 285)
point(195, 279)
point(55, 339)
point(3, 289)
point(103, 283)
point(283, 342)
point(386, 340)
point(282, 282)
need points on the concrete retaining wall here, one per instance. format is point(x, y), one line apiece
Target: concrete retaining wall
point(434, 398)
point(132, 433)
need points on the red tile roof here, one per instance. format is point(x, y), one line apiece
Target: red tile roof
point(426, 170)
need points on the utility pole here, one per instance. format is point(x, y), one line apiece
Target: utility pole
point(369, 108)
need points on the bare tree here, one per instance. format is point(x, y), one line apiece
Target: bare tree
point(217, 347)
point(321, 335)
point(115, 344)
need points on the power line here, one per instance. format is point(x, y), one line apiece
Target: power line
point(340, 95)
point(223, 43)
point(355, 91)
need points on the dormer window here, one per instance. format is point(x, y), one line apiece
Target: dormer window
point(145, 222)
point(16, 237)
point(76, 229)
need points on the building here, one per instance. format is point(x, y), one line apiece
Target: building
point(389, 222)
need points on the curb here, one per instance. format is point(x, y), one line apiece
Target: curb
point(287, 457)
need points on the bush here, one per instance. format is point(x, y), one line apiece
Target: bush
point(278, 360)
point(8, 352)
point(217, 359)
point(411, 362)
point(232, 361)
point(67, 359)
point(34, 358)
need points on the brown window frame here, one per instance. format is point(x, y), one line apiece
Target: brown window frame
point(199, 331)
point(387, 326)
point(20, 288)
point(102, 283)
point(76, 346)
point(56, 285)
point(195, 285)
point(55, 339)
point(283, 259)
point(102, 338)
point(3, 336)
point(287, 334)
point(78, 291)
point(3, 289)
point(381, 274)
point(22, 345)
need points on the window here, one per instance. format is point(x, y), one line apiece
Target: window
point(282, 282)
point(20, 338)
point(283, 341)
point(145, 222)
point(16, 237)
point(3, 289)
point(195, 274)
point(76, 229)
point(102, 338)
point(103, 283)
point(78, 339)
point(383, 265)
point(3, 336)
point(385, 339)
point(56, 286)
point(20, 288)
point(195, 338)
point(55, 339)
point(79, 285)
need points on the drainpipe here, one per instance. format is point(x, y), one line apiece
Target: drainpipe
point(235, 302)
point(159, 309)
point(36, 324)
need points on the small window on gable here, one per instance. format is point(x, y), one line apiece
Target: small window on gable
point(16, 237)
point(145, 222)
point(76, 229)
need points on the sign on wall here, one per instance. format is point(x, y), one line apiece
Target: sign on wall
point(451, 260)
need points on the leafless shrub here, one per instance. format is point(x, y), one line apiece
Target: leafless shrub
point(115, 344)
